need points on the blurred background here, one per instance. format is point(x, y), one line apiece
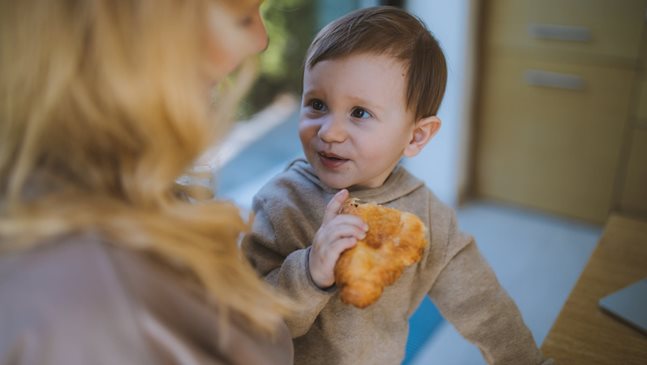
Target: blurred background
point(544, 135)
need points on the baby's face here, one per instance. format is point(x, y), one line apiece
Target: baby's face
point(354, 123)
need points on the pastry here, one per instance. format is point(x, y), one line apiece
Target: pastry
point(394, 240)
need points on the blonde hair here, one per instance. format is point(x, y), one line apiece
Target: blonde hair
point(103, 105)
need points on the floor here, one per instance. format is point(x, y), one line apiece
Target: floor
point(537, 257)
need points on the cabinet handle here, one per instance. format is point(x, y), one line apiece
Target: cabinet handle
point(559, 32)
point(553, 79)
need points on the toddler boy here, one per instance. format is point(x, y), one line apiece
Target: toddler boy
point(373, 82)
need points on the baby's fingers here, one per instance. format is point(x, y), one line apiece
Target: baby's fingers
point(332, 233)
point(334, 205)
point(349, 219)
point(342, 245)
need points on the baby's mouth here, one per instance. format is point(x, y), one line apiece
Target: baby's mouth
point(331, 156)
point(331, 160)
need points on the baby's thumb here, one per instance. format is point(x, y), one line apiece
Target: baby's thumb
point(334, 205)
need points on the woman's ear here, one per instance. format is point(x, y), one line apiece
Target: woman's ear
point(423, 131)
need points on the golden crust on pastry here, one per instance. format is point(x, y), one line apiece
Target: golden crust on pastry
point(395, 240)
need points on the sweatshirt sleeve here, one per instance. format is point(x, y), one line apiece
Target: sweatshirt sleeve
point(282, 259)
point(470, 297)
point(79, 302)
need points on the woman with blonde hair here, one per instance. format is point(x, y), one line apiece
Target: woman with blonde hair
point(103, 105)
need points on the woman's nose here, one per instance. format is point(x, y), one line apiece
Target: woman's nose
point(332, 130)
point(260, 40)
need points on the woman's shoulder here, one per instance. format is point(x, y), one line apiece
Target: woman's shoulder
point(82, 293)
point(70, 262)
point(62, 295)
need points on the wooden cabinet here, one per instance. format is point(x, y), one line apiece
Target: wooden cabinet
point(633, 182)
point(589, 28)
point(558, 85)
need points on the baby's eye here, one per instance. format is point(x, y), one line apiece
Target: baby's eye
point(317, 105)
point(360, 113)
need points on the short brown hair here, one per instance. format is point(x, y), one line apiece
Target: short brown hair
point(392, 31)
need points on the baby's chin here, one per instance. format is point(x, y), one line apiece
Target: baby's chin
point(338, 181)
point(332, 182)
point(336, 185)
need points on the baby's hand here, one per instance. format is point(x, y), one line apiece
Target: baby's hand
point(338, 232)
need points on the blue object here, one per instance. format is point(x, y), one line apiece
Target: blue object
point(422, 324)
point(629, 305)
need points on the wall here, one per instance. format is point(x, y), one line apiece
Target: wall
point(443, 164)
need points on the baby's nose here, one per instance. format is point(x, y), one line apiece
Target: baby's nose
point(333, 130)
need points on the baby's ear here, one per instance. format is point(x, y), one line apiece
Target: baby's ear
point(423, 131)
